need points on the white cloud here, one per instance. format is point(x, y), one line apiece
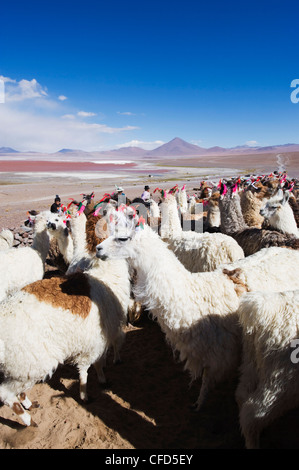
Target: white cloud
point(7, 79)
point(68, 116)
point(126, 113)
point(29, 131)
point(251, 143)
point(23, 90)
point(62, 97)
point(142, 144)
point(85, 114)
point(31, 120)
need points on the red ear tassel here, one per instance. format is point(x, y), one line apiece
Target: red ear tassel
point(157, 189)
point(69, 205)
point(106, 195)
point(174, 189)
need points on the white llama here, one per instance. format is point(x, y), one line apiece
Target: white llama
point(269, 384)
point(59, 229)
point(197, 311)
point(199, 252)
point(20, 266)
point(36, 322)
point(279, 214)
point(81, 255)
point(182, 200)
point(6, 239)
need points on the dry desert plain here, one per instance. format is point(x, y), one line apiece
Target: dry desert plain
point(146, 402)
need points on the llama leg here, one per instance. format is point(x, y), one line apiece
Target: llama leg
point(98, 365)
point(268, 402)
point(204, 389)
point(83, 374)
point(247, 384)
point(118, 342)
point(11, 400)
point(248, 372)
point(26, 403)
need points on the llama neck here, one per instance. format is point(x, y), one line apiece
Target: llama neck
point(232, 219)
point(182, 200)
point(284, 220)
point(115, 275)
point(66, 247)
point(213, 216)
point(78, 227)
point(41, 241)
point(162, 281)
point(170, 221)
point(154, 209)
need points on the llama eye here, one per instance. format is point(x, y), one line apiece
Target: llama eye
point(122, 239)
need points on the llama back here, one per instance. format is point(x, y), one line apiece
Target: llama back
point(270, 269)
point(18, 267)
point(272, 317)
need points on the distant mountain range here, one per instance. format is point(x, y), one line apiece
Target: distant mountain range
point(7, 150)
point(175, 148)
point(178, 147)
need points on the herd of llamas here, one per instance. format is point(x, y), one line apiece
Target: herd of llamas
point(230, 305)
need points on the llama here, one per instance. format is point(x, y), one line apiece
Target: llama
point(90, 305)
point(268, 385)
point(59, 230)
point(81, 255)
point(251, 239)
point(198, 252)
point(6, 239)
point(295, 207)
point(252, 199)
point(213, 219)
point(182, 200)
point(197, 311)
point(154, 210)
point(85, 235)
point(279, 214)
point(20, 266)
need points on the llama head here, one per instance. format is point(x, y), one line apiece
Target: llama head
point(57, 224)
point(123, 218)
point(275, 204)
point(127, 226)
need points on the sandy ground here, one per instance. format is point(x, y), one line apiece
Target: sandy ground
point(146, 403)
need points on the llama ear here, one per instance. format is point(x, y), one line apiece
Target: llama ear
point(280, 193)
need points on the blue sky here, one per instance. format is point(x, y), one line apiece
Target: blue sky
point(103, 74)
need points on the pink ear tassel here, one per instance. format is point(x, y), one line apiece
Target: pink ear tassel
point(96, 212)
point(183, 188)
point(81, 210)
point(235, 188)
point(224, 189)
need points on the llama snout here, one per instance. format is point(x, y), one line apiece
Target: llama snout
point(100, 252)
point(51, 225)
